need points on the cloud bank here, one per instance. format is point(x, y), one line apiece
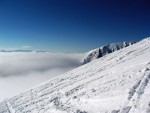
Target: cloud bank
point(20, 71)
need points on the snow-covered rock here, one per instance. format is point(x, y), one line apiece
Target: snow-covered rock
point(116, 83)
point(104, 50)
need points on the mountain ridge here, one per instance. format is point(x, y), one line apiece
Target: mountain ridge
point(104, 50)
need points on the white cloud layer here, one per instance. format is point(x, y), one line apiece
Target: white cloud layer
point(26, 47)
point(20, 71)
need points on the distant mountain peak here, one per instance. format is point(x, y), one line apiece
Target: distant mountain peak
point(104, 50)
point(21, 50)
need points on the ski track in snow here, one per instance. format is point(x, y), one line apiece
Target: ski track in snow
point(116, 83)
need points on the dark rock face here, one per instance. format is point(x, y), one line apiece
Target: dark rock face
point(104, 50)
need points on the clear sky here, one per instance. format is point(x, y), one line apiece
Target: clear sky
point(72, 25)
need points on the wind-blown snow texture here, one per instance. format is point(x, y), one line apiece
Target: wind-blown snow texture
point(104, 50)
point(116, 83)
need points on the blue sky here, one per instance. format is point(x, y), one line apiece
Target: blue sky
point(72, 25)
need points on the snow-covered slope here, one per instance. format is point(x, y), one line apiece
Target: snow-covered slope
point(104, 50)
point(116, 83)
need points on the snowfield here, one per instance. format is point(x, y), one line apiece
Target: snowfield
point(116, 83)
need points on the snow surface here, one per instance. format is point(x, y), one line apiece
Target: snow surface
point(116, 83)
point(104, 50)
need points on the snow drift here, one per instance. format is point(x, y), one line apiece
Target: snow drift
point(116, 83)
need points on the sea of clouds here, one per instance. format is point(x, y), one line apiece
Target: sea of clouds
point(20, 71)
